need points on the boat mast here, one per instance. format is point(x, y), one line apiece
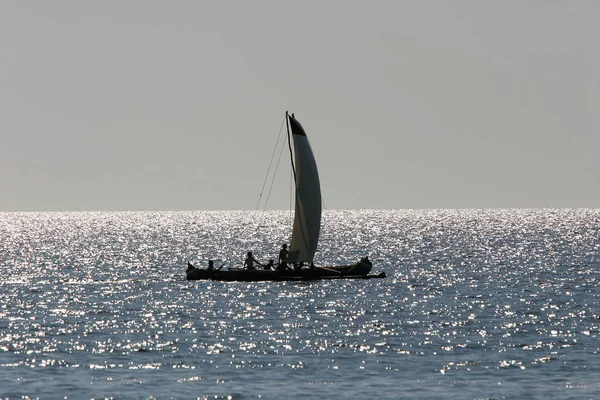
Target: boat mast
point(287, 124)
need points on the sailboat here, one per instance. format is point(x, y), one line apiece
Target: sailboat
point(305, 230)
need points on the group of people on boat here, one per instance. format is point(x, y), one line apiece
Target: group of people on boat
point(282, 263)
point(250, 261)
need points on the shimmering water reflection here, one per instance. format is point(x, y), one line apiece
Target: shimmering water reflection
point(478, 304)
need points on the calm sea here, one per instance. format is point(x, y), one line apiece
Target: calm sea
point(478, 304)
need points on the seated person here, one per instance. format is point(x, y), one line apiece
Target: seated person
point(250, 260)
point(269, 265)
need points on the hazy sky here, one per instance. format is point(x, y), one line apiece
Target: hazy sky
point(177, 105)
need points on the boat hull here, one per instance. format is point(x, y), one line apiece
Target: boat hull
point(360, 270)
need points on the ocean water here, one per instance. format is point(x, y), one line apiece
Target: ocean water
point(478, 304)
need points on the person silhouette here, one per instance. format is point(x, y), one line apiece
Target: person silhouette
point(250, 260)
point(269, 265)
point(283, 254)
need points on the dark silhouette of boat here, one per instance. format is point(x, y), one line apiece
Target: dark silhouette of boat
point(305, 230)
point(359, 270)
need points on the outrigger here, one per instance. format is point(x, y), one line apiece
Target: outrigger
point(360, 270)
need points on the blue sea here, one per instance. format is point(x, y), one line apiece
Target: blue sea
point(478, 304)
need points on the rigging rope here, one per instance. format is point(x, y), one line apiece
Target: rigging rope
point(273, 178)
point(269, 169)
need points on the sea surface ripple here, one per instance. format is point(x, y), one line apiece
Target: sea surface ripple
point(477, 304)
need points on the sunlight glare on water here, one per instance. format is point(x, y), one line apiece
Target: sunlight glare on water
point(477, 304)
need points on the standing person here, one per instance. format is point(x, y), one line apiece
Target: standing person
point(211, 265)
point(250, 260)
point(283, 254)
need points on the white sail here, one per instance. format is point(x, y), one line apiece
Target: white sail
point(307, 218)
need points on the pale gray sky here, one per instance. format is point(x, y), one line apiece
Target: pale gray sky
point(176, 105)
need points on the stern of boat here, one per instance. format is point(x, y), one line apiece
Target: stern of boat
point(363, 267)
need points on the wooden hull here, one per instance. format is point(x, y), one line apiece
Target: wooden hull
point(359, 270)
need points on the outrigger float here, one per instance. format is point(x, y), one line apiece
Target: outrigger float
point(305, 230)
